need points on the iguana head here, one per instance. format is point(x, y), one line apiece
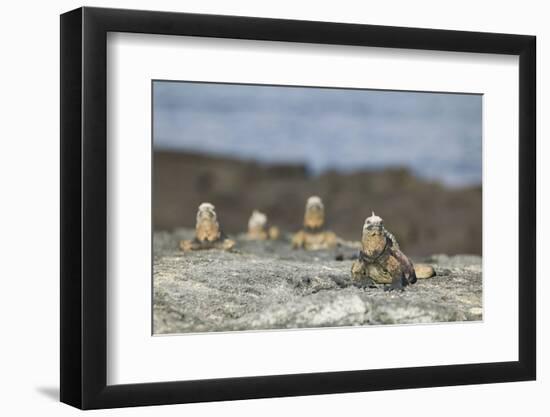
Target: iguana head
point(206, 211)
point(314, 216)
point(207, 227)
point(373, 224)
point(257, 224)
point(258, 220)
point(374, 236)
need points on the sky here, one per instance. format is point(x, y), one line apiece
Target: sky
point(437, 136)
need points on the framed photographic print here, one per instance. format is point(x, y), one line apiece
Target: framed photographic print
point(257, 207)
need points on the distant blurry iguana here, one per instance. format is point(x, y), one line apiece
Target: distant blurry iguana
point(313, 236)
point(258, 228)
point(208, 234)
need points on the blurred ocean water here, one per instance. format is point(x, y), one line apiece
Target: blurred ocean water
point(437, 136)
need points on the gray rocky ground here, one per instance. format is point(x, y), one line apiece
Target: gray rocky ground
point(267, 285)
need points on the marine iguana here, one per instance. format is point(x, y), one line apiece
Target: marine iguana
point(258, 228)
point(208, 234)
point(381, 260)
point(313, 235)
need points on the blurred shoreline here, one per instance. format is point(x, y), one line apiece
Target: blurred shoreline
point(438, 136)
point(426, 217)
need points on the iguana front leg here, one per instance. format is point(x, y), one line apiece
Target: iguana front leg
point(399, 282)
point(359, 275)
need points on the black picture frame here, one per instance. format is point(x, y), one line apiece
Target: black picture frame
point(84, 207)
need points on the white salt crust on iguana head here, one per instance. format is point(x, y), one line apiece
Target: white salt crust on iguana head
point(257, 220)
point(314, 201)
point(373, 220)
point(206, 210)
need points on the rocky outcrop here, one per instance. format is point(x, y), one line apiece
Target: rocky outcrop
point(267, 285)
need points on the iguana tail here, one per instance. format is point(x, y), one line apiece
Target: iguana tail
point(424, 271)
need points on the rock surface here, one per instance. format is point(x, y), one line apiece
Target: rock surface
point(267, 285)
